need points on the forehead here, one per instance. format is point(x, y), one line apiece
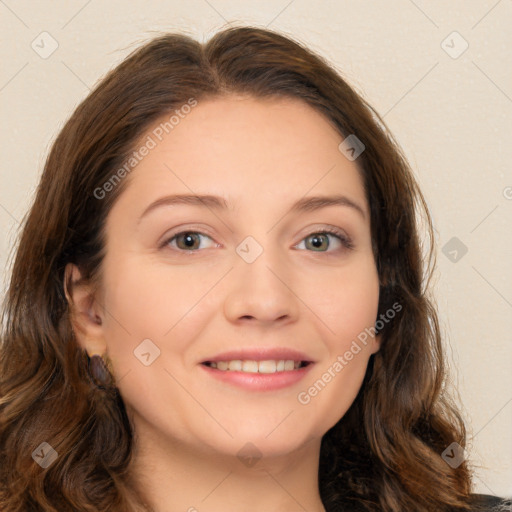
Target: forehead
point(245, 149)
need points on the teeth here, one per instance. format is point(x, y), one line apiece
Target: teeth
point(269, 366)
point(235, 365)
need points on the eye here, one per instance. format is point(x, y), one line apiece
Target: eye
point(319, 239)
point(189, 241)
point(186, 240)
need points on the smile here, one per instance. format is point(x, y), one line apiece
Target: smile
point(248, 366)
point(266, 375)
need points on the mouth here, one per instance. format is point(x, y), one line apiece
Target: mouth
point(253, 375)
point(253, 366)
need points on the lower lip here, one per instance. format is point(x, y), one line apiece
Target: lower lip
point(259, 381)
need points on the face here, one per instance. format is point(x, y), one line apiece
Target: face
point(256, 277)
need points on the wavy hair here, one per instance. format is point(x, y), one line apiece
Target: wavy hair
point(384, 454)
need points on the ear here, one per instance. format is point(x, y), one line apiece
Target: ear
point(376, 343)
point(85, 315)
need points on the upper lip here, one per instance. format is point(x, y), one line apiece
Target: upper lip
point(261, 354)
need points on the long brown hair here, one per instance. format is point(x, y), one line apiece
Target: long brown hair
point(385, 454)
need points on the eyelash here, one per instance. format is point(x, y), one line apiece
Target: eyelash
point(344, 239)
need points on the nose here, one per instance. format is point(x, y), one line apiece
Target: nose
point(262, 291)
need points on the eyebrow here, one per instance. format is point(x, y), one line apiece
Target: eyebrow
point(306, 204)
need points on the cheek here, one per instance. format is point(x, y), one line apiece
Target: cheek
point(149, 299)
point(333, 386)
point(347, 312)
point(147, 310)
point(346, 303)
point(332, 390)
point(149, 327)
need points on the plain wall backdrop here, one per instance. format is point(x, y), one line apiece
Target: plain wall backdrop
point(439, 72)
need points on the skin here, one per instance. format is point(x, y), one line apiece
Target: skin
point(262, 156)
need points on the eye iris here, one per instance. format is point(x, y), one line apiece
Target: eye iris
point(189, 238)
point(317, 239)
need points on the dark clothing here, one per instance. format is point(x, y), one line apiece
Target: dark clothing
point(487, 503)
point(479, 503)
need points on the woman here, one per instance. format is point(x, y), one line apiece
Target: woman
point(218, 301)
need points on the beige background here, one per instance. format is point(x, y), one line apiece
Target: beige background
point(451, 113)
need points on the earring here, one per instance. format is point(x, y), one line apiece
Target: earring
point(100, 371)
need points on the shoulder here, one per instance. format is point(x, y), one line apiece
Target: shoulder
point(488, 503)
